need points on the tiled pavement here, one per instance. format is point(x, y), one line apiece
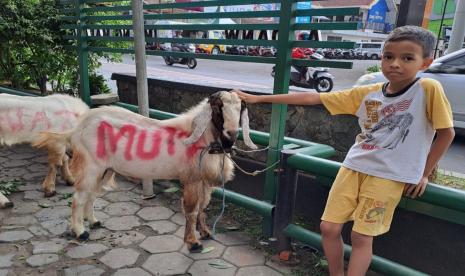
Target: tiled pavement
point(138, 237)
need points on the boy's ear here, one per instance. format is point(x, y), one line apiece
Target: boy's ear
point(426, 63)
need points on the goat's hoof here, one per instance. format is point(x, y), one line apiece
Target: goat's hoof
point(96, 225)
point(206, 236)
point(69, 183)
point(84, 236)
point(49, 193)
point(196, 248)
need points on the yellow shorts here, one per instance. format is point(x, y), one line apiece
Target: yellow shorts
point(367, 200)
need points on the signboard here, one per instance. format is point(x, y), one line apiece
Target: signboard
point(303, 6)
point(377, 13)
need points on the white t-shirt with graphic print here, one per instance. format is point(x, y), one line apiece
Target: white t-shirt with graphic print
point(397, 129)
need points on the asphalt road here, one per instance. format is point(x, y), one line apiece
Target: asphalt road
point(259, 75)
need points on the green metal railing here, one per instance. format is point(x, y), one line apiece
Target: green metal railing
point(86, 23)
point(81, 18)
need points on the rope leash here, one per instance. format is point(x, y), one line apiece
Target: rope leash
point(256, 172)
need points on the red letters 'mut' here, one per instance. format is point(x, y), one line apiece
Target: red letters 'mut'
point(113, 138)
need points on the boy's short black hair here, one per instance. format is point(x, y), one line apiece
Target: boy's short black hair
point(425, 38)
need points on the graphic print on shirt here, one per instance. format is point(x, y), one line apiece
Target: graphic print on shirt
point(392, 129)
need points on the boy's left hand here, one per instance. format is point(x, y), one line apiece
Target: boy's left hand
point(413, 191)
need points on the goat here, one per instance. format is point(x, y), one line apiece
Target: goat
point(23, 118)
point(112, 139)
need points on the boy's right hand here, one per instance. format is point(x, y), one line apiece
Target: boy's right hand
point(248, 98)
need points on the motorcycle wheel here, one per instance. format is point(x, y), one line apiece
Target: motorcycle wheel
point(323, 84)
point(168, 61)
point(192, 63)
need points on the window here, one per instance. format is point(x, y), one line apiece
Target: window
point(371, 46)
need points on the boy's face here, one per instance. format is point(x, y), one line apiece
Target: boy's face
point(401, 61)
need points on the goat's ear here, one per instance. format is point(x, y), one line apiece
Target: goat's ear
point(199, 125)
point(245, 126)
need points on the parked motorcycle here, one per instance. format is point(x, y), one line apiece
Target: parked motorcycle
point(310, 77)
point(190, 62)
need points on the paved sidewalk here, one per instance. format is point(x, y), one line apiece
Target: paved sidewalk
point(138, 237)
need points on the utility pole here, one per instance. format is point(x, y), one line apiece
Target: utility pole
point(141, 74)
point(458, 28)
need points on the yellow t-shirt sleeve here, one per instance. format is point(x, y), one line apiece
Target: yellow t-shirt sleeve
point(438, 108)
point(347, 101)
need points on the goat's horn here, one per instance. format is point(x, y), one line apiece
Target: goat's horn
point(199, 125)
point(246, 129)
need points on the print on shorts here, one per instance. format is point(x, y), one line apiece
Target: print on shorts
point(373, 211)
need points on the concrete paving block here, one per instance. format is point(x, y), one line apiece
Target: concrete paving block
point(215, 253)
point(179, 218)
point(155, 213)
point(59, 212)
point(286, 270)
point(162, 243)
point(33, 195)
point(163, 226)
point(243, 256)
point(53, 246)
point(120, 257)
point(38, 231)
point(4, 272)
point(42, 259)
point(56, 227)
point(86, 250)
point(100, 204)
point(204, 268)
point(20, 220)
point(121, 196)
point(132, 272)
point(121, 209)
point(16, 163)
point(26, 208)
point(5, 260)
point(10, 236)
point(167, 264)
point(232, 238)
point(122, 223)
point(84, 270)
point(21, 156)
point(257, 271)
point(125, 238)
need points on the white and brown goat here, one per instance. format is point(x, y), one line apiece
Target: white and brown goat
point(112, 138)
point(22, 118)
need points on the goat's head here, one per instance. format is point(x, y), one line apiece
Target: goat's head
point(226, 112)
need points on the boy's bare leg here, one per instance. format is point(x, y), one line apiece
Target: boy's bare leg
point(333, 247)
point(362, 252)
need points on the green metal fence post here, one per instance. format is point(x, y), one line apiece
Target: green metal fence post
point(83, 53)
point(279, 111)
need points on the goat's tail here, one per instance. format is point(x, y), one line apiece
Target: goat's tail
point(56, 145)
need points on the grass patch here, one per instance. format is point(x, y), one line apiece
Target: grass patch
point(8, 187)
point(447, 179)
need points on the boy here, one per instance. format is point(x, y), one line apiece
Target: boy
point(393, 154)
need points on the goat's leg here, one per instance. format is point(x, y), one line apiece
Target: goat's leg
point(202, 226)
point(190, 203)
point(89, 213)
point(65, 173)
point(49, 181)
point(77, 215)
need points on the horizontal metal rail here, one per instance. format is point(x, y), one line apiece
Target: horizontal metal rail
point(183, 5)
point(378, 264)
point(436, 195)
point(17, 92)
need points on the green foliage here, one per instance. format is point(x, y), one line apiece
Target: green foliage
point(32, 52)
point(373, 69)
point(8, 187)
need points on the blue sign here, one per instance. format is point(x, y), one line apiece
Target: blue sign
point(377, 13)
point(303, 6)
